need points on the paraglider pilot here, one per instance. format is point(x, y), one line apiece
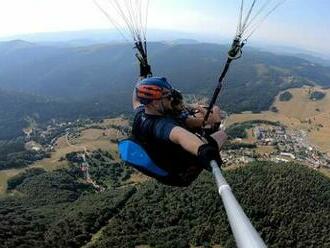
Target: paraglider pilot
point(166, 132)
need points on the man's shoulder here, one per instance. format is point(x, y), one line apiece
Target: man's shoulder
point(158, 127)
point(163, 127)
point(157, 119)
point(139, 109)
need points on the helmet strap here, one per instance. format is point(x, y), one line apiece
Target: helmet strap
point(162, 108)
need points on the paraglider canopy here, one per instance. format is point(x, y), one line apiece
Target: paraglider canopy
point(250, 19)
point(253, 14)
point(130, 18)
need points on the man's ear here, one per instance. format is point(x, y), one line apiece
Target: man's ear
point(155, 103)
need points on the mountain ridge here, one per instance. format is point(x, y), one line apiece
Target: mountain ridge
point(97, 80)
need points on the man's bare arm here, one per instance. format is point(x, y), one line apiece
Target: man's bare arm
point(197, 120)
point(194, 122)
point(205, 152)
point(189, 141)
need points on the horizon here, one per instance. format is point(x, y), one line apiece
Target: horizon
point(172, 35)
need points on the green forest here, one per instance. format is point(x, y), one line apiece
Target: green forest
point(66, 95)
point(289, 205)
point(94, 84)
point(286, 96)
point(60, 209)
point(16, 108)
point(317, 95)
point(14, 155)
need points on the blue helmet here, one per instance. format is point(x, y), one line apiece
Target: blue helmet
point(157, 81)
point(153, 88)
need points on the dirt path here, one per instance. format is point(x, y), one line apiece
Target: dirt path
point(93, 139)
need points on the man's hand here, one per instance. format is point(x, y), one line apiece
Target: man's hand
point(145, 70)
point(196, 120)
point(207, 153)
point(191, 143)
point(219, 137)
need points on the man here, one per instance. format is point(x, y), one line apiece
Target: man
point(165, 135)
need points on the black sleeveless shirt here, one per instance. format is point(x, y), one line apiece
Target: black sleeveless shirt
point(152, 132)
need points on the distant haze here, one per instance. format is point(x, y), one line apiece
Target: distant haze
point(303, 24)
point(102, 36)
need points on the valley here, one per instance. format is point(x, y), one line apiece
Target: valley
point(311, 118)
point(62, 183)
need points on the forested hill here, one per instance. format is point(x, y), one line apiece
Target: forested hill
point(16, 108)
point(287, 203)
point(81, 72)
point(97, 80)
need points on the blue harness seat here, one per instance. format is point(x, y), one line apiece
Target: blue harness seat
point(133, 153)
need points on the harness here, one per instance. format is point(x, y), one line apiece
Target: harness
point(136, 154)
point(132, 152)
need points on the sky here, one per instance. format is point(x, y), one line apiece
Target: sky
point(300, 23)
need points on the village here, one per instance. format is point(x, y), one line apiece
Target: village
point(270, 143)
point(44, 138)
point(278, 145)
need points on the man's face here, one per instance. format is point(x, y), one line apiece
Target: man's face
point(163, 106)
point(166, 104)
point(173, 103)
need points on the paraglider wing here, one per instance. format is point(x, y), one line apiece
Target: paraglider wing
point(255, 15)
point(250, 19)
point(130, 18)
